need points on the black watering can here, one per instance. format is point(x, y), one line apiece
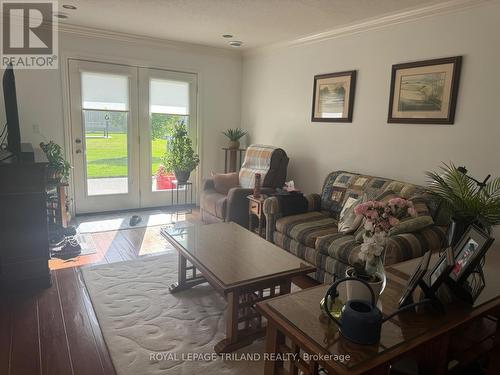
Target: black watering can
point(360, 321)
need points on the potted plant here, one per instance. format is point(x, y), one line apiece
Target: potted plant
point(466, 200)
point(164, 178)
point(59, 167)
point(379, 218)
point(234, 136)
point(180, 156)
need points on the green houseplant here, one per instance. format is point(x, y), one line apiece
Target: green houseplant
point(234, 136)
point(59, 167)
point(180, 156)
point(466, 200)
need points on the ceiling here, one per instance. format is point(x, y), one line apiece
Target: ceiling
point(255, 22)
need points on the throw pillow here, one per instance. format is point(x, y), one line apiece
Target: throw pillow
point(223, 182)
point(349, 221)
point(413, 224)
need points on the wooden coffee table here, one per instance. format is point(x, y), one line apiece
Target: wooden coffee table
point(296, 327)
point(242, 266)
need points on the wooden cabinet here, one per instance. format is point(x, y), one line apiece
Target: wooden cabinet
point(24, 247)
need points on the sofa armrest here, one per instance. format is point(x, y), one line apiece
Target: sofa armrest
point(273, 212)
point(313, 202)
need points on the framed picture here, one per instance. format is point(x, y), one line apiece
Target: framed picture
point(441, 270)
point(468, 253)
point(425, 92)
point(333, 97)
point(416, 278)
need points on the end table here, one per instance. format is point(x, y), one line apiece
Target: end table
point(256, 208)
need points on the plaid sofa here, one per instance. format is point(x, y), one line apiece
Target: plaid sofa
point(313, 235)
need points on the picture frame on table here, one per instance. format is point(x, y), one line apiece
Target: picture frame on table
point(425, 92)
point(468, 253)
point(333, 97)
point(415, 280)
point(441, 270)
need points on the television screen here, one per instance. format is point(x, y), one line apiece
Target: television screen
point(9, 95)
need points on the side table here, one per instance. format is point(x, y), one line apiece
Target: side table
point(187, 206)
point(233, 158)
point(255, 208)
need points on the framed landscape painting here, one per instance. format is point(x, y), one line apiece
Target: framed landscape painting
point(425, 92)
point(333, 97)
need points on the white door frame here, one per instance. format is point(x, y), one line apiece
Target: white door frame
point(83, 202)
point(148, 198)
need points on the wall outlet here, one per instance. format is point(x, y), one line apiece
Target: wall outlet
point(36, 129)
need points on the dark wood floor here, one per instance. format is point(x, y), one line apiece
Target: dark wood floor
point(55, 331)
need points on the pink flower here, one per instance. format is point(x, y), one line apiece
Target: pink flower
point(393, 221)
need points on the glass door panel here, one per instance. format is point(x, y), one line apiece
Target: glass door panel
point(169, 99)
point(103, 98)
point(168, 105)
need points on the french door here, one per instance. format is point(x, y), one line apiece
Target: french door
point(121, 120)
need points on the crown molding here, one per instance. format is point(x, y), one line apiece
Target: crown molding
point(91, 32)
point(372, 24)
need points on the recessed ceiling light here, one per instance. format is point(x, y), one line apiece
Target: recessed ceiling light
point(227, 36)
point(235, 43)
point(69, 6)
point(61, 15)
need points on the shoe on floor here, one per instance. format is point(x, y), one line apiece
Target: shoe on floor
point(134, 220)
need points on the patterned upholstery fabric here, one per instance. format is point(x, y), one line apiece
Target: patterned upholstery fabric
point(326, 267)
point(313, 236)
point(257, 160)
point(341, 185)
point(334, 253)
point(305, 228)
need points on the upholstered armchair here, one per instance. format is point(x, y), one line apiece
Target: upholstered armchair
point(216, 206)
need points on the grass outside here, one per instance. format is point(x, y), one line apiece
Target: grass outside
point(107, 157)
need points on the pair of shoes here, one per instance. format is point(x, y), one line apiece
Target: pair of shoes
point(71, 249)
point(134, 220)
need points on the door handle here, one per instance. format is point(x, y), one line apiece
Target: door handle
point(78, 151)
point(78, 140)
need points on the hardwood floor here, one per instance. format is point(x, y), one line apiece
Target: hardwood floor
point(55, 331)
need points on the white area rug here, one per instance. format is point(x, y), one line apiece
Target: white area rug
point(138, 316)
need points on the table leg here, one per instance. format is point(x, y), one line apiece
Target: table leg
point(183, 282)
point(260, 225)
point(274, 338)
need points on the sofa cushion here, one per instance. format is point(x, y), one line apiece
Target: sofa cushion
point(349, 221)
point(399, 248)
point(326, 266)
point(412, 224)
point(305, 228)
point(342, 247)
point(215, 203)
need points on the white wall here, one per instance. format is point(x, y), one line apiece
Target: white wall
point(277, 96)
point(40, 92)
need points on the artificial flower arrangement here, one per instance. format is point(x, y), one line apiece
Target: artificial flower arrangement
point(380, 217)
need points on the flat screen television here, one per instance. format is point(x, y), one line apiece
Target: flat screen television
point(12, 117)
